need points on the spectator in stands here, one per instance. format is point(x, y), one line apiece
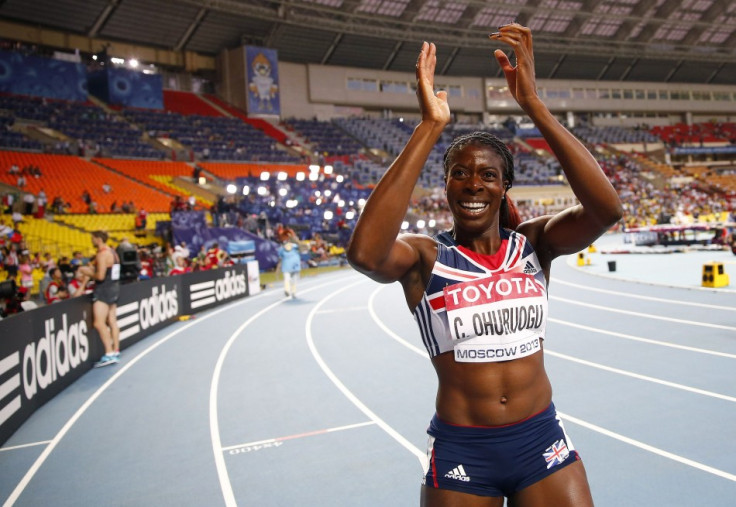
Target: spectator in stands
point(11, 260)
point(106, 274)
point(485, 247)
point(290, 263)
point(106, 188)
point(80, 285)
point(77, 259)
point(67, 271)
point(28, 201)
point(41, 202)
point(181, 266)
point(56, 289)
point(26, 271)
point(86, 197)
point(141, 219)
point(214, 257)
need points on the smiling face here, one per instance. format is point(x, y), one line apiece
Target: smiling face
point(475, 185)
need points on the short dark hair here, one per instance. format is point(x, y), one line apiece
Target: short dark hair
point(100, 234)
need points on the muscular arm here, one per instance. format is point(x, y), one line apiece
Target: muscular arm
point(600, 206)
point(375, 248)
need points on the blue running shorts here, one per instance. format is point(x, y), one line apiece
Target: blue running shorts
point(497, 460)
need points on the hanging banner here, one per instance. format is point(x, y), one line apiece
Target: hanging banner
point(263, 81)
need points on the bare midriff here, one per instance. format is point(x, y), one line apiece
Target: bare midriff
point(493, 393)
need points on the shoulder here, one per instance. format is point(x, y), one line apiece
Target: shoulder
point(426, 246)
point(534, 231)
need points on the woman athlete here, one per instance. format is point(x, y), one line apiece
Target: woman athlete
point(479, 295)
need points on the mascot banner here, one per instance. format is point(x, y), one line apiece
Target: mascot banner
point(263, 81)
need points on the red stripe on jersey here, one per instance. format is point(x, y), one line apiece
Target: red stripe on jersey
point(493, 261)
point(437, 302)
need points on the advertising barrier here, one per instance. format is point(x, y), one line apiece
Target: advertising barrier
point(43, 351)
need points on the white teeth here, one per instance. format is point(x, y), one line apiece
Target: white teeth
point(473, 205)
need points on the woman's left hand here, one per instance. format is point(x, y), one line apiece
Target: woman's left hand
point(521, 80)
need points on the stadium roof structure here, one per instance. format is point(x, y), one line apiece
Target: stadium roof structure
point(684, 41)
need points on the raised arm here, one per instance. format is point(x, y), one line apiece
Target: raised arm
point(375, 248)
point(600, 207)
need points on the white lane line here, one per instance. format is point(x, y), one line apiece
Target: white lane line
point(422, 456)
point(347, 309)
point(643, 340)
point(74, 418)
point(299, 435)
point(631, 295)
point(641, 377)
point(224, 478)
point(23, 446)
point(384, 327)
point(645, 315)
point(649, 448)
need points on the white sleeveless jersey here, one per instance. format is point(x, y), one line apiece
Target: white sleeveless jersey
point(486, 308)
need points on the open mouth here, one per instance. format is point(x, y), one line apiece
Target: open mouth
point(474, 208)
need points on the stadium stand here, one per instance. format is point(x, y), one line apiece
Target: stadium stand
point(68, 176)
point(158, 174)
point(188, 104)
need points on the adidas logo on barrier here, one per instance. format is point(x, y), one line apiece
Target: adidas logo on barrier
point(458, 473)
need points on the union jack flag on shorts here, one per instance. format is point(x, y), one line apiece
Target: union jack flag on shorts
point(556, 453)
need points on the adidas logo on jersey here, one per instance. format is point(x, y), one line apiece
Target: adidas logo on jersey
point(458, 473)
point(529, 269)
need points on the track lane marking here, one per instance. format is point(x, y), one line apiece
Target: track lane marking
point(220, 465)
point(23, 446)
point(650, 448)
point(638, 376)
point(638, 296)
point(421, 456)
point(645, 315)
point(299, 435)
point(643, 340)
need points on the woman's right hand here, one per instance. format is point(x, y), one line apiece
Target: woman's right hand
point(434, 107)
